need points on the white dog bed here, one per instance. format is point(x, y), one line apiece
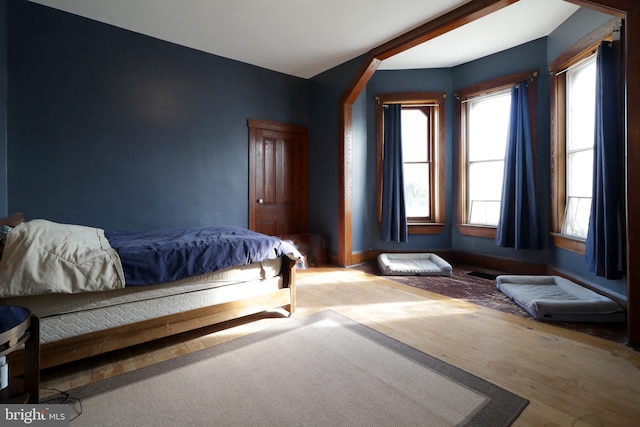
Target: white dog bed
point(553, 298)
point(413, 264)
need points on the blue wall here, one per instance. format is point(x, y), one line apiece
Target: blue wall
point(326, 90)
point(364, 218)
point(115, 129)
point(578, 25)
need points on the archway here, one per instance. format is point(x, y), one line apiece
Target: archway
point(475, 9)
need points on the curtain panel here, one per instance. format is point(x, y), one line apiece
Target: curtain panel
point(394, 218)
point(604, 244)
point(518, 224)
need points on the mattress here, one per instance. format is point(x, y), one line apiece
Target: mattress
point(67, 315)
point(79, 322)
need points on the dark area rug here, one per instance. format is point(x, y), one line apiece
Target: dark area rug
point(478, 287)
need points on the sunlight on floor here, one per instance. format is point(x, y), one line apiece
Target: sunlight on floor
point(313, 276)
point(409, 304)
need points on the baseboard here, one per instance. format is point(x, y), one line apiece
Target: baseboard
point(485, 262)
point(505, 265)
point(364, 256)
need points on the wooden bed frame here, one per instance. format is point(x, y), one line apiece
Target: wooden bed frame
point(95, 343)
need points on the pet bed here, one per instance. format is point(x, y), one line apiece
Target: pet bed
point(553, 298)
point(413, 264)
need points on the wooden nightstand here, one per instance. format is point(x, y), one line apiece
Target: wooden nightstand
point(18, 326)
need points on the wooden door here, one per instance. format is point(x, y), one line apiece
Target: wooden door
point(278, 178)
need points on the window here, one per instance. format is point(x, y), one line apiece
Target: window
point(487, 124)
point(416, 151)
point(580, 127)
point(573, 77)
point(422, 117)
point(483, 124)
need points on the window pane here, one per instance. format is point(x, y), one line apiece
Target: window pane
point(487, 126)
point(484, 212)
point(576, 221)
point(580, 173)
point(414, 136)
point(416, 190)
point(484, 189)
point(581, 102)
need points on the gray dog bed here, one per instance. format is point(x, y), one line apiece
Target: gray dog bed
point(553, 298)
point(413, 264)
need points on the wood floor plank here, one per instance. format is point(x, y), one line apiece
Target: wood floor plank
point(570, 378)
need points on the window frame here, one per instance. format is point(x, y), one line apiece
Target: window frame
point(462, 95)
point(431, 117)
point(471, 163)
point(582, 49)
point(570, 154)
point(436, 100)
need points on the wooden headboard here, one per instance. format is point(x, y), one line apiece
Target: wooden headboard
point(12, 220)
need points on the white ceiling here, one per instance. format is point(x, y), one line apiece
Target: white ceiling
point(306, 37)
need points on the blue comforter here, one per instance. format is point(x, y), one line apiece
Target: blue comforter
point(152, 257)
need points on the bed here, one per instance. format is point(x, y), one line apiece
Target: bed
point(96, 291)
point(556, 299)
point(413, 264)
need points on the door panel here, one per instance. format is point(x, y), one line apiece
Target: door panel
point(278, 193)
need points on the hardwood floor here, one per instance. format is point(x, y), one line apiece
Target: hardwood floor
point(570, 378)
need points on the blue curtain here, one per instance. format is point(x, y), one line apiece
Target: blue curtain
point(604, 238)
point(518, 223)
point(394, 217)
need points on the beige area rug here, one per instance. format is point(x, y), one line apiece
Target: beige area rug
point(322, 370)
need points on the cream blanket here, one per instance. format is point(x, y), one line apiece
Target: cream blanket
point(43, 257)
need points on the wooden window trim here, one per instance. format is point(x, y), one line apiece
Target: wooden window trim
point(438, 191)
point(582, 49)
point(568, 243)
point(432, 128)
point(485, 231)
point(479, 89)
